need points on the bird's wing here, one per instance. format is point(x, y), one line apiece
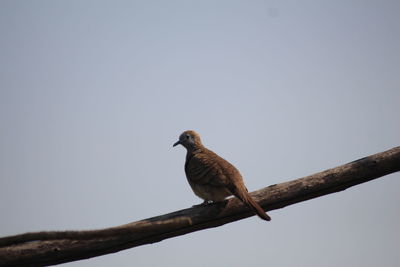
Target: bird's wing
point(205, 169)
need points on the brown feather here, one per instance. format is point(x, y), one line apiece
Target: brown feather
point(213, 178)
point(245, 197)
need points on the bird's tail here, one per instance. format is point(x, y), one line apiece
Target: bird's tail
point(245, 197)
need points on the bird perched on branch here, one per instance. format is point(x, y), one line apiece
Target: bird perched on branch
point(211, 177)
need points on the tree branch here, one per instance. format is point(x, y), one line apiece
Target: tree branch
point(49, 248)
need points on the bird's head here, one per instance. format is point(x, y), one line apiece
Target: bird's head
point(189, 139)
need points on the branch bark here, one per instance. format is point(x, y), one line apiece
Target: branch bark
point(49, 248)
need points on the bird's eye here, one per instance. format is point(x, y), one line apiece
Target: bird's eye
point(187, 136)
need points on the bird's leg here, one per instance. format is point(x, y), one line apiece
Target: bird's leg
point(204, 203)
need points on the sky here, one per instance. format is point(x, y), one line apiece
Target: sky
point(94, 93)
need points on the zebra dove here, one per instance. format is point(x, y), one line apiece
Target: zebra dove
point(211, 177)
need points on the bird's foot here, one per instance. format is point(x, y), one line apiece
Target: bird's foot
point(204, 203)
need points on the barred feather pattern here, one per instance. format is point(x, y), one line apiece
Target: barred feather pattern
point(211, 177)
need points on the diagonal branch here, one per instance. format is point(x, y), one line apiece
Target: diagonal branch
point(49, 248)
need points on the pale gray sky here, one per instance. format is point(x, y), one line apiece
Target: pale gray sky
point(94, 93)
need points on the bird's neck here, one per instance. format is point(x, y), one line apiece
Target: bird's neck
point(194, 149)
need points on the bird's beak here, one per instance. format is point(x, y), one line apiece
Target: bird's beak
point(177, 143)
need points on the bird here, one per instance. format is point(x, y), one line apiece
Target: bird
point(213, 178)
